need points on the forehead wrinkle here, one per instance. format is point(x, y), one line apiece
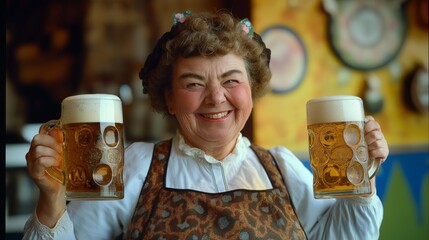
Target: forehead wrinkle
point(191, 75)
point(199, 77)
point(231, 72)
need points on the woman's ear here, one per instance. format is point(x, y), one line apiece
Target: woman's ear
point(168, 96)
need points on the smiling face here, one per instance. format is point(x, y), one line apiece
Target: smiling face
point(211, 100)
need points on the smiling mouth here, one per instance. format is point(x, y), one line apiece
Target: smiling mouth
point(215, 115)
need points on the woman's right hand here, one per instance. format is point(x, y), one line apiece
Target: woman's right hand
point(46, 151)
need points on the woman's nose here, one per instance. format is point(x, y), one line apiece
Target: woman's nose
point(215, 95)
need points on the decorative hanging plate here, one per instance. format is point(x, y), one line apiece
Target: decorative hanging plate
point(419, 90)
point(366, 35)
point(288, 58)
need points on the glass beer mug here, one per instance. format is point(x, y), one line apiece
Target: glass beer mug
point(93, 147)
point(338, 151)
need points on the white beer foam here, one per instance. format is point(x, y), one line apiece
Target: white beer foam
point(335, 109)
point(91, 108)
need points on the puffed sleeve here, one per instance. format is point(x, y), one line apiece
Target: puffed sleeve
point(106, 219)
point(33, 229)
point(348, 218)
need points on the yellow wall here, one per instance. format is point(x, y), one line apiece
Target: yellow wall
point(279, 119)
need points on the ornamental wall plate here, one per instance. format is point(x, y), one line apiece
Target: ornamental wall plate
point(366, 35)
point(420, 90)
point(416, 89)
point(288, 58)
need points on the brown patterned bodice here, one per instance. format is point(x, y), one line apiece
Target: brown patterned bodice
point(165, 213)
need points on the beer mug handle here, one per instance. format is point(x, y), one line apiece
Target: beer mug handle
point(56, 173)
point(374, 165)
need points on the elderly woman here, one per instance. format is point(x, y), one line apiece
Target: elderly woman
point(209, 181)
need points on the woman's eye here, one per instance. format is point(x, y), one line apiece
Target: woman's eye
point(193, 85)
point(231, 82)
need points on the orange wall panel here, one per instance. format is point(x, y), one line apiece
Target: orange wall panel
point(280, 119)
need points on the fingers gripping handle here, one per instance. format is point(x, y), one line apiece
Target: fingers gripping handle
point(55, 172)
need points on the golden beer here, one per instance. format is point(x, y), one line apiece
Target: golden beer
point(94, 159)
point(337, 148)
point(93, 147)
point(338, 154)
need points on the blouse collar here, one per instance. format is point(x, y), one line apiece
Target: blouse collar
point(240, 147)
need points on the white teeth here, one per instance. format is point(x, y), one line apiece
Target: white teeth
point(215, 116)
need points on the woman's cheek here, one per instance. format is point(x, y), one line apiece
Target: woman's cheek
point(187, 101)
point(242, 96)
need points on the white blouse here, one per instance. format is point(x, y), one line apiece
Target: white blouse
point(191, 168)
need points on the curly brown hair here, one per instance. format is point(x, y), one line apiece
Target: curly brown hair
point(204, 34)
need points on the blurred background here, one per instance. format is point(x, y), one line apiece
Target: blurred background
point(377, 50)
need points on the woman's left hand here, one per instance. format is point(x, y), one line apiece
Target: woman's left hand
point(377, 144)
